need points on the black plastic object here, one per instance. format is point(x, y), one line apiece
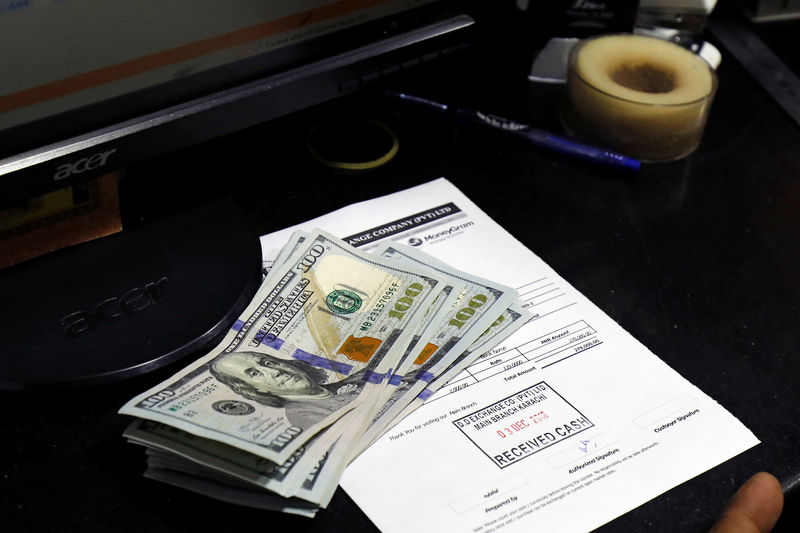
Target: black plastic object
point(128, 303)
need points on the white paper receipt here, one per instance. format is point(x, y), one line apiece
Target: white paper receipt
point(568, 424)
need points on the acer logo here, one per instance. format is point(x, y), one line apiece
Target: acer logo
point(115, 308)
point(82, 165)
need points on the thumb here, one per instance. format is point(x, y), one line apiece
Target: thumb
point(755, 508)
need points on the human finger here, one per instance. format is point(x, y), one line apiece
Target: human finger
point(755, 508)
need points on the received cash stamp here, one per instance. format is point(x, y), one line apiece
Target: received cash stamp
point(522, 424)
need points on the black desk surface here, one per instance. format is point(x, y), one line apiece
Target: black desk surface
point(699, 259)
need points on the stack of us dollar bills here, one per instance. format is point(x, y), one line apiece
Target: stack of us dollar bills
point(336, 347)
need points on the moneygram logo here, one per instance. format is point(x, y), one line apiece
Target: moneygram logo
point(414, 241)
point(444, 234)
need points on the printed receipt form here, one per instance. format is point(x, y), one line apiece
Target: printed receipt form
point(568, 424)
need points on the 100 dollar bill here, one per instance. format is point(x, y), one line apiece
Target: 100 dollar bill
point(325, 328)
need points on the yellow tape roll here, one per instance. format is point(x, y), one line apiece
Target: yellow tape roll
point(353, 145)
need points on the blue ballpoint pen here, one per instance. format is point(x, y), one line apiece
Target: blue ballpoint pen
point(533, 135)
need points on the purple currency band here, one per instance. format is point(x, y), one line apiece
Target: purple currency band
point(321, 362)
point(269, 340)
point(395, 380)
point(425, 394)
point(375, 377)
point(427, 377)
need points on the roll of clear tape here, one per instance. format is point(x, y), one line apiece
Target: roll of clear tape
point(642, 96)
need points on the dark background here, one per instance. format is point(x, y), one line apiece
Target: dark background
point(698, 259)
